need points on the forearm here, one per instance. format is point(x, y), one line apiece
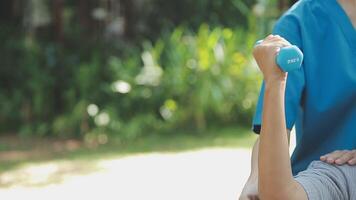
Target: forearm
point(275, 173)
point(254, 159)
point(275, 179)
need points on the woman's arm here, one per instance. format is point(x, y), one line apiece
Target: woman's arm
point(275, 173)
point(274, 168)
point(250, 190)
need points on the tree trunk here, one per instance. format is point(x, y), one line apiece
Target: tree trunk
point(129, 15)
point(84, 14)
point(283, 5)
point(58, 20)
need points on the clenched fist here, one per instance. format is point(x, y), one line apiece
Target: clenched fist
point(265, 56)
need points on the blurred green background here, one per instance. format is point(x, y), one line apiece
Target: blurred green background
point(129, 72)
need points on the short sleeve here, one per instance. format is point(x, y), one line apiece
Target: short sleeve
point(287, 27)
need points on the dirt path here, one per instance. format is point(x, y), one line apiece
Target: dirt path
point(209, 174)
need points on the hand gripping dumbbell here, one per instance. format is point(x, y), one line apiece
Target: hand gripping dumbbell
point(288, 58)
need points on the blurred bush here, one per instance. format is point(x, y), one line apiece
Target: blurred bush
point(99, 69)
point(183, 80)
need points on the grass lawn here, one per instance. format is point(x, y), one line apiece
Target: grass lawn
point(15, 152)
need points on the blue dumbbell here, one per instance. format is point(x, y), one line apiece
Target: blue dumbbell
point(288, 58)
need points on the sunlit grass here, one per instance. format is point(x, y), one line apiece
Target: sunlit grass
point(153, 167)
point(231, 137)
point(196, 174)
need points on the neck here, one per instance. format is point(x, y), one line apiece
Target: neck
point(350, 8)
point(348, 2)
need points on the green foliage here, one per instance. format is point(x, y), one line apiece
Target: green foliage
point(183, 80)
point(170, 13)
point(209, 75)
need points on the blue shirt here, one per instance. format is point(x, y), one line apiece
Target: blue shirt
point(320, 98)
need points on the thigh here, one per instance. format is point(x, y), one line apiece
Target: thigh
point(328, 182)
point(350, 176)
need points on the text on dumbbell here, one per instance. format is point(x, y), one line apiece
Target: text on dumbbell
point(293, 60)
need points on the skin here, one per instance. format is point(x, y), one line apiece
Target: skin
point(350, 8)
point(340, 157)
point(275, 178)
point(250, 191)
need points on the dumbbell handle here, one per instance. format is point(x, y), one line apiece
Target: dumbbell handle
point(288, 58)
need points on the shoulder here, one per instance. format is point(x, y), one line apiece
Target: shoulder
point(304, 10)
point(304, 18)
